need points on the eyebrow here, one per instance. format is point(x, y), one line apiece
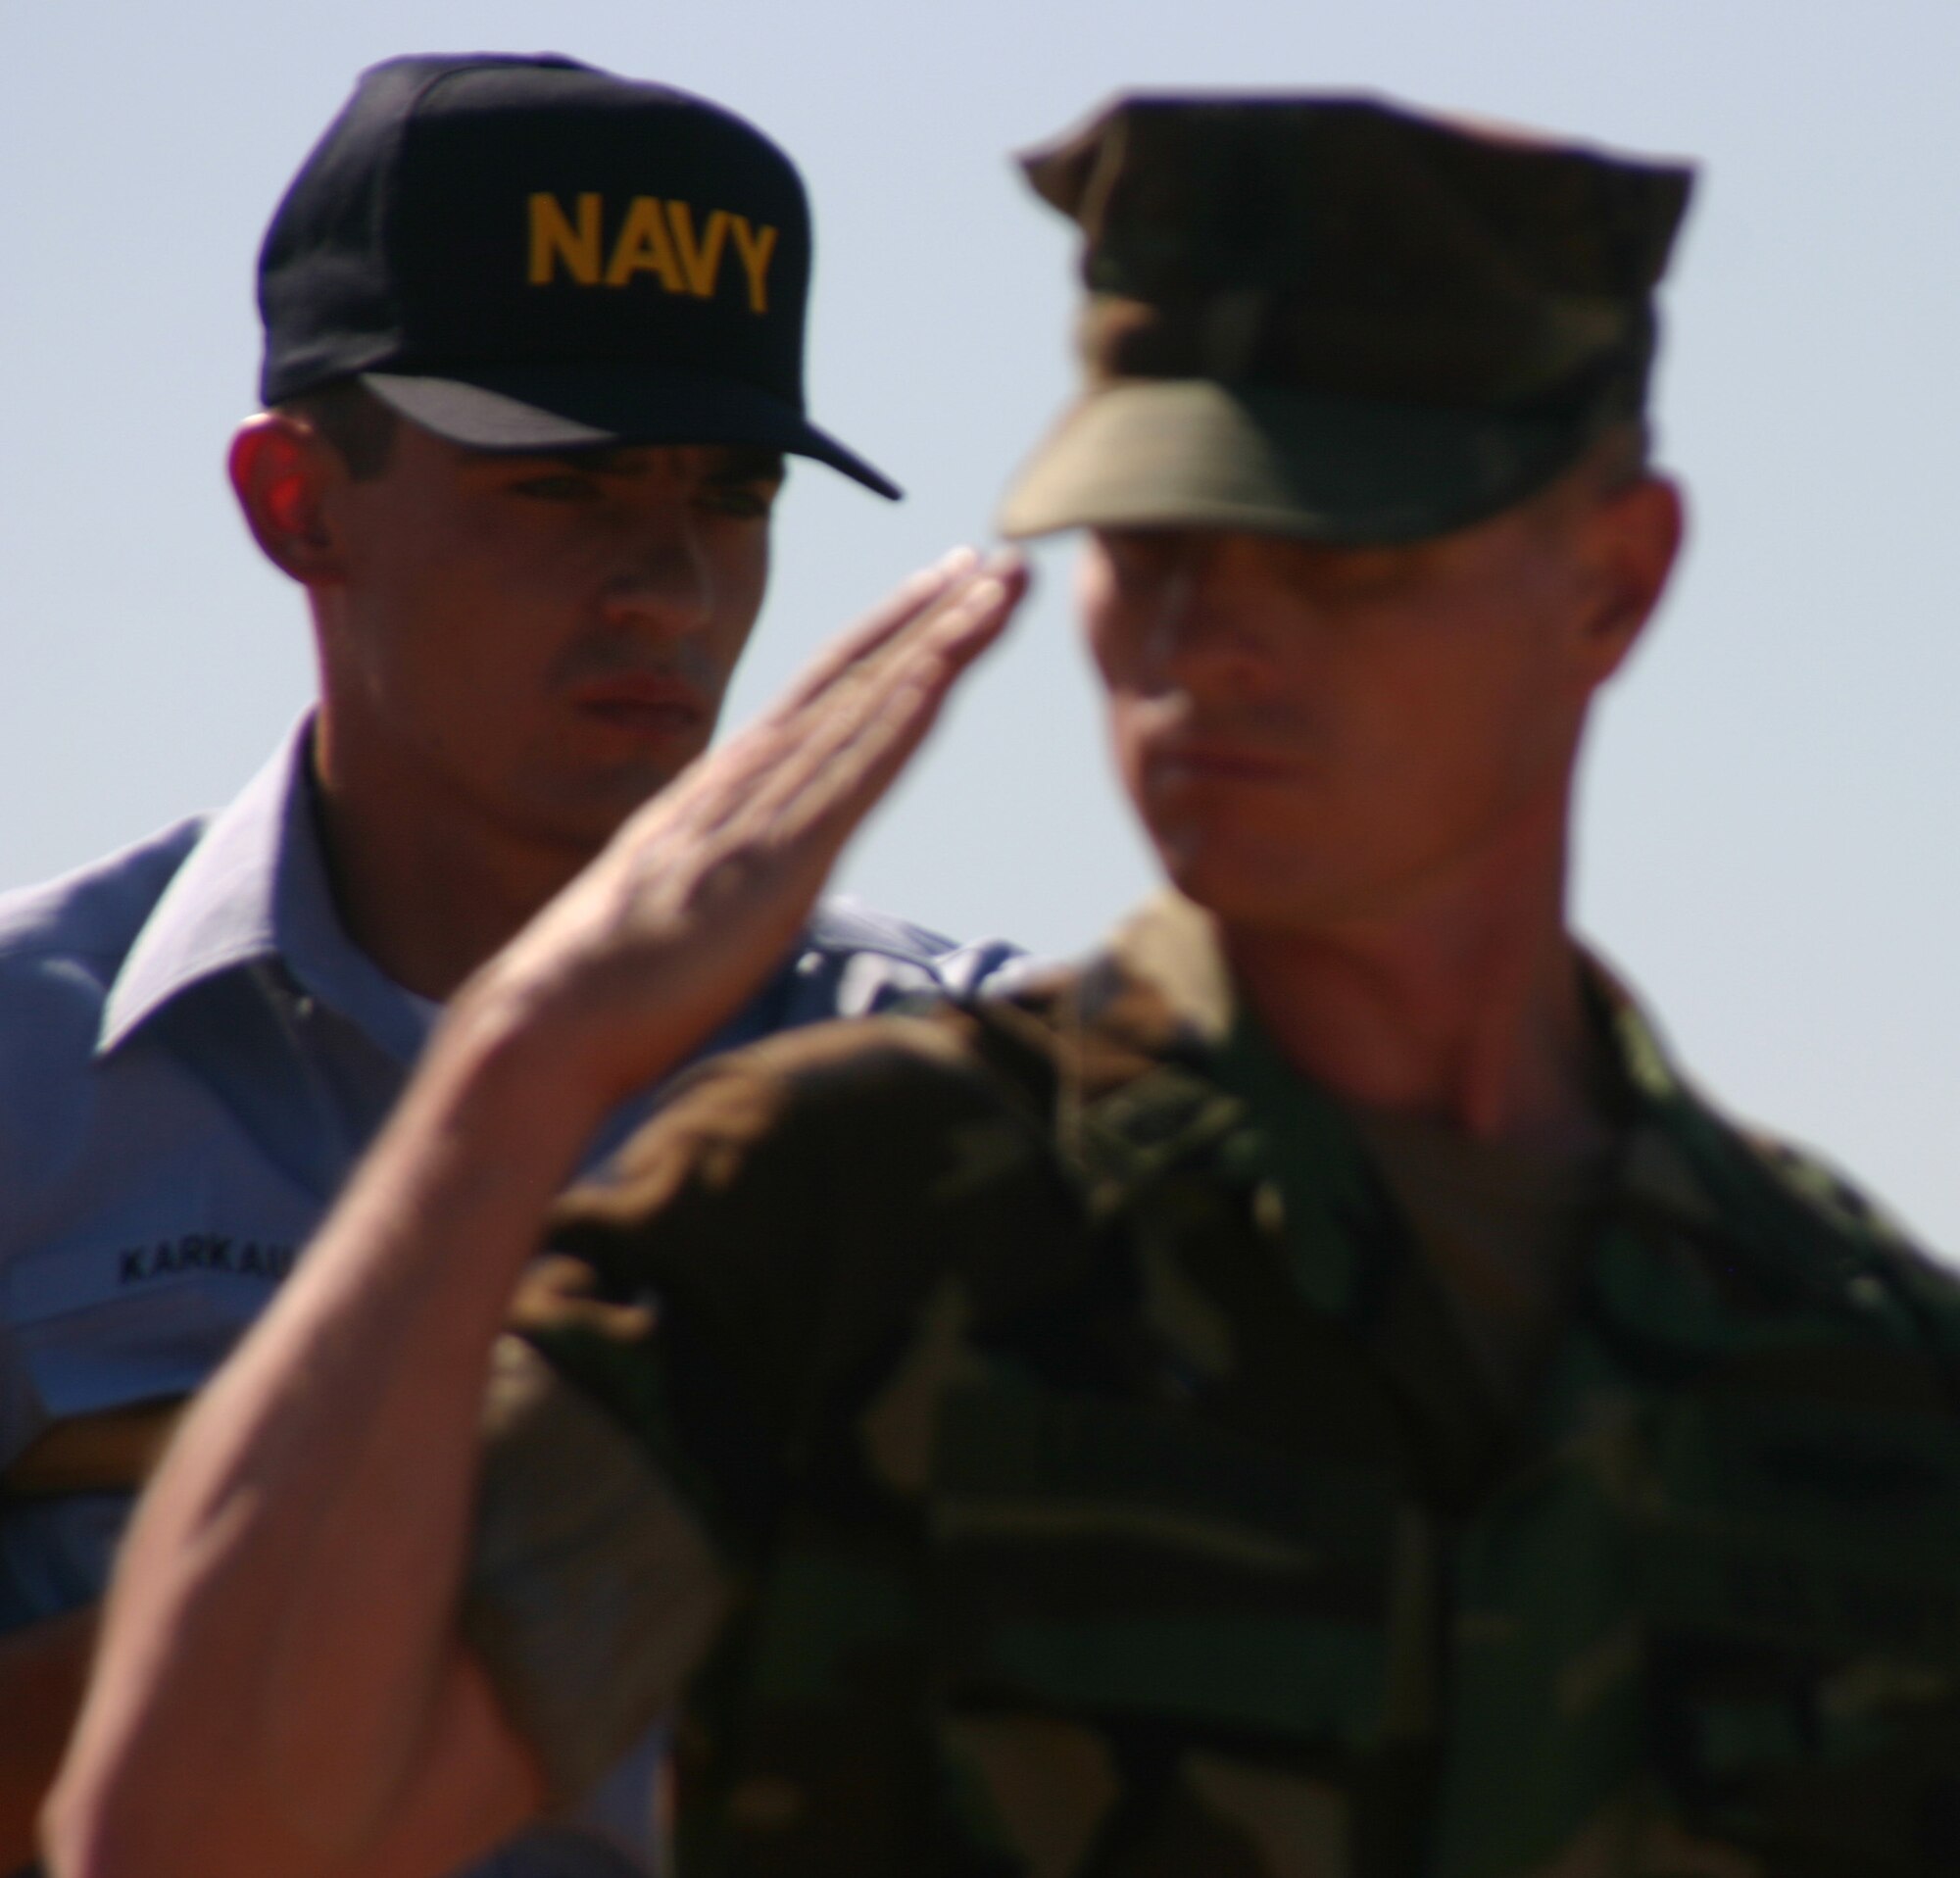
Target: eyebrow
point(729, 463)
point(747, 463)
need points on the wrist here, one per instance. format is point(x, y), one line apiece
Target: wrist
point(581, 1033)
point(507, 1073)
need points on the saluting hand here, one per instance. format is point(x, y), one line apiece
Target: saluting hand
point(699, 895)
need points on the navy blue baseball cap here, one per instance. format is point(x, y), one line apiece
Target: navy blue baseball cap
point(530, 254)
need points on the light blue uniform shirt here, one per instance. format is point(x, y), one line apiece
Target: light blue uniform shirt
point(193, 1052)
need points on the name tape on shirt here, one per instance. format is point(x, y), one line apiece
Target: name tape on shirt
point(55, 1281)
point(214, 1252)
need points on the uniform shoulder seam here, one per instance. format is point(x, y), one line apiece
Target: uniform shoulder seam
point(94, 912)
point(1827, 1195)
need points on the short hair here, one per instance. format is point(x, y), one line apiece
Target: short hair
point(349, 417)
point(1623, 453)
point(1618, 457)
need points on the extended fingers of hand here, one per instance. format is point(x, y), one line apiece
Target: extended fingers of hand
point(959, 621)
point(716, 784)
point(843, 751)
point(849, 723)
point(914, 597)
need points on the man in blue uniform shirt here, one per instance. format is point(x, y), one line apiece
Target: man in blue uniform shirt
point(533, 361)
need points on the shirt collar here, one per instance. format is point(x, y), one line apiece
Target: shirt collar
point(256, 890)
point(1172, 947)
point(1163, 984)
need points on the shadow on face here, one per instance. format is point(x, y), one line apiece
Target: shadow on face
point(1316, 733)
point(529, 644)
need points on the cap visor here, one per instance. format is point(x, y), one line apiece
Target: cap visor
point(573, 407)
point(1196, 452)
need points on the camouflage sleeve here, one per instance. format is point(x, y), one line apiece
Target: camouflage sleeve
point(593, 1592)
point(625, 1466)
point(690, 1356)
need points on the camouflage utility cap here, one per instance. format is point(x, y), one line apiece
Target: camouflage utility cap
point(1338, 320)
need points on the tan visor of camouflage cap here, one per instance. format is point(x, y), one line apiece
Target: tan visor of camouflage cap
point(1338, 320)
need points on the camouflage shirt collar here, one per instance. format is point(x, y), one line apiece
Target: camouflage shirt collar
point(1162, 986)
point(1172, 945)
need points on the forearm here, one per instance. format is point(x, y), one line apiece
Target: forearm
point(44, 1667)
point(283, 1607)
point(42, 1671)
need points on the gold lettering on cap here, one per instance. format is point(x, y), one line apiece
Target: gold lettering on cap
point(700, 260)
point(657, 237)
point(554, 239)
point(642, 247)
point(755, 246)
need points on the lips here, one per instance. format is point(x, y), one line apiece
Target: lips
point(1219, 763)
point(643, 702)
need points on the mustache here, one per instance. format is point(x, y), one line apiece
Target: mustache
point(1264, 729)
point(623, 656)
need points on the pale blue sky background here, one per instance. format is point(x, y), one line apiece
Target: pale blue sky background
point(1772, 808)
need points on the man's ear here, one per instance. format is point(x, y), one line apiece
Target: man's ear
point(1634, 537)
point(284, 474)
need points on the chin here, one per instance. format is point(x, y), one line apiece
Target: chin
point(1254, 887)
point(1221, 882)
point(1247, 869)
point(585, 813)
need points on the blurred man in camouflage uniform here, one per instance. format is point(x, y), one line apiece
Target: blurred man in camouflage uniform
point(1310, 1392)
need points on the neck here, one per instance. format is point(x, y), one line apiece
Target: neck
point(429, 893)
point(1464, 1005)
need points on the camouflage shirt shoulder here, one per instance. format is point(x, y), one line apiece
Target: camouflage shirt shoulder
point(1868, 1233)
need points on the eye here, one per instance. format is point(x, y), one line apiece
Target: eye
point(1366, 573)
point(556, 485)
point(1327, 575)
point(1139, 557)
point(748, 501)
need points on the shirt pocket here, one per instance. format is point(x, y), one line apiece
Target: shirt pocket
point(126, 1311)
point(1101, 1559)
point(1801, 1574)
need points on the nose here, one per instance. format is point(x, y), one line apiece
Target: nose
point(663, 578)
point(1208, 631)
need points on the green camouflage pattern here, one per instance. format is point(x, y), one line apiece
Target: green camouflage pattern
point(1351, 245)
point(1338, 317)
point(1073, 1430)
